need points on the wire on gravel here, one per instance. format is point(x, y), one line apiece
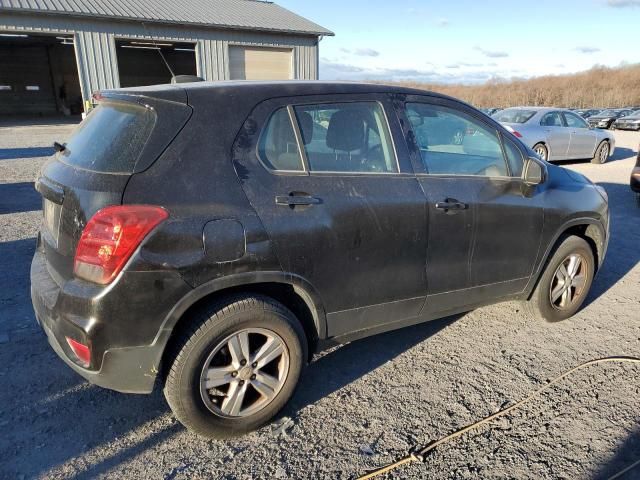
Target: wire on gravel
point(418, 455)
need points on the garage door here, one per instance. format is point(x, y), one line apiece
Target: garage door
point(255, 63)
point(25, 81)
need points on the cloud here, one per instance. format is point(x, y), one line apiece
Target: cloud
point(345, 71)
point(492, 53)
point(623, 3)
point(442, 22)
point(345, 50)
point(366, 52)
point(587, 50)
point(466, 64)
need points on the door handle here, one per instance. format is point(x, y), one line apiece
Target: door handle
point(451, 205)
point(296, 199)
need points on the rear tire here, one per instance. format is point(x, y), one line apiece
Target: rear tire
point(212, 388)
point(565, 281)
point(542, 150)
point(602, 153)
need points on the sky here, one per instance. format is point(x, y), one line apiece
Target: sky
point(470, 41)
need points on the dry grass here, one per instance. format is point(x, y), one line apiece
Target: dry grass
point(598, 87)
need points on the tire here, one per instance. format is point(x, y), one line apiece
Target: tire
point(212, 412)
point(542, 150)
point(540, 304)
point(602, 153)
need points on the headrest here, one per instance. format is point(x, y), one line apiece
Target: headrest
point(346, 130)
point(306, 127)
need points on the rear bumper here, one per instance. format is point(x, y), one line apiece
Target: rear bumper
point(125, 351)
point(634, 127)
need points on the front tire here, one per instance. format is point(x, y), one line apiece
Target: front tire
point(542, 151)
point(602, 153)
point(235, 366)
point(565, 282)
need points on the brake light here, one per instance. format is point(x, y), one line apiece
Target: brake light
point(81, 351)
point(517, 133)
point(110, 238)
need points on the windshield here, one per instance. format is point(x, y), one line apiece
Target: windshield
point(110, 139)
point(514, 115)
point(608, 113)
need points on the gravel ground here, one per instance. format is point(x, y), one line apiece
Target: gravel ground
point(358, 406)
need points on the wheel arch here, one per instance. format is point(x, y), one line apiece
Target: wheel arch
point(292, 291)
point(589, 229)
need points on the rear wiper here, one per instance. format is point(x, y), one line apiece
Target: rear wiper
point(59, 147)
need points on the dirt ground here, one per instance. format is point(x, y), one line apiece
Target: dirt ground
point(358, 406)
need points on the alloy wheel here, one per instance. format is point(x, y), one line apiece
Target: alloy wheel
point(604, 153)
point(568, 282)
point(541, 151)
point(244, 373)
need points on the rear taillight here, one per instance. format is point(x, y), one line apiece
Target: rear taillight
point(517, 133)
point(111, 237)
point(81, 351)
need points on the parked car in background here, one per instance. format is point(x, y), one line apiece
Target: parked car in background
point(629, 122)
point(557, 134)
point(587, 113)
point(220, 263)
point(606, 118)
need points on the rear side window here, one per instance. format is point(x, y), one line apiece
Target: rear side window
point(551, 119)
point(346, 137)
point(111, 138)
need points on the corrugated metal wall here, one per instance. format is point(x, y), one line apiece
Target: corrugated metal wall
point(96, 50)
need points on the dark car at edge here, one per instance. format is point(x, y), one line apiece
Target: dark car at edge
point(210, 237)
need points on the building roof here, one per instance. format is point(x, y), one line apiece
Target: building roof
point(236, 14)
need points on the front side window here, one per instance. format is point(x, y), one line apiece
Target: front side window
point(346, 137)
point(551, 119)
point(278, 148)
point(453, 143)
point(574, 121)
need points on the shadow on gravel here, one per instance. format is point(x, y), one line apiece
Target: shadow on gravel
point(29, 152)
point(18, 198)
point(626, 455)
point(622, 153)
point(350, 362)
point(14, 281)
point(623, 253)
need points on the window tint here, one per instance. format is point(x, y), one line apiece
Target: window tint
point(514, 156)
point(454, 143)
point(574, 121)
point(551, 119)
point(346, 137)
point(110, 139)
point(278, 148)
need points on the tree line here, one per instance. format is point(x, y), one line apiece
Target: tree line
point(598, 87)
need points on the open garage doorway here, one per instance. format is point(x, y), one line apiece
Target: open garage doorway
point(141, 62)
point(38, 75)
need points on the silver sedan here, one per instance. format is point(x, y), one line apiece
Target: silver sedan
point(557, 134)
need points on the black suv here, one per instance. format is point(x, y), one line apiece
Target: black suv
point(216, 235)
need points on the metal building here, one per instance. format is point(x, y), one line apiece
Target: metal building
point(55, 53)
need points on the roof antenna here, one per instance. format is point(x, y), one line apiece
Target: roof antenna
point(155, 44)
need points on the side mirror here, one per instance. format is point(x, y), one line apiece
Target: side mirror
point(533, 172)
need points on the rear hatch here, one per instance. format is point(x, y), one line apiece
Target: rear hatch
point(123, 135)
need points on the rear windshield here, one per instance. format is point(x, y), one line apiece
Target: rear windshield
point(110, 139)
point(513, 115)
